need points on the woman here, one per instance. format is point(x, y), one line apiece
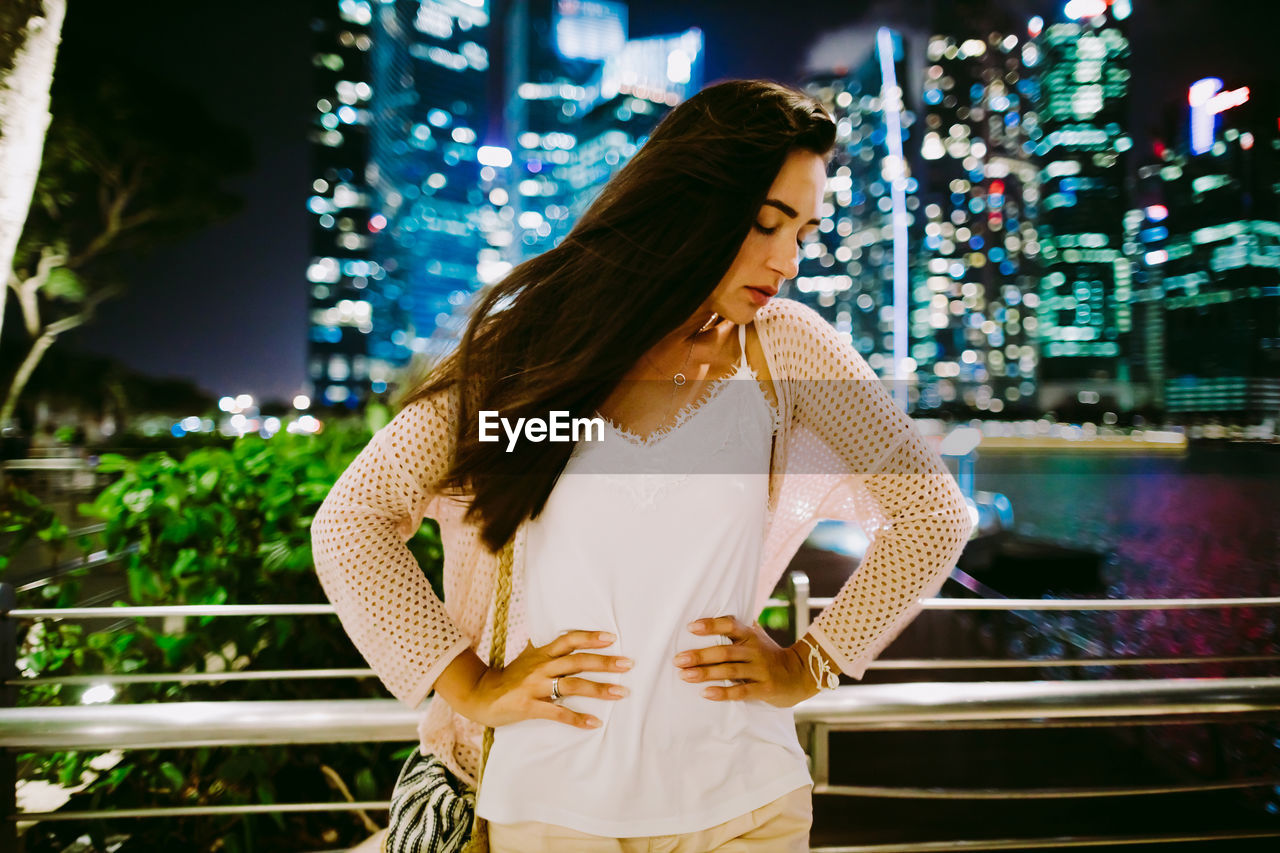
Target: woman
point(641, 560)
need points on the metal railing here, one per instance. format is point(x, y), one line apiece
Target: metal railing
point(897, 707)
point(848, 708)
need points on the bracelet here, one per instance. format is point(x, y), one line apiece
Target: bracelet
point(820, 669)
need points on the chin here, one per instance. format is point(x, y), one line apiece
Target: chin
point(741, 315)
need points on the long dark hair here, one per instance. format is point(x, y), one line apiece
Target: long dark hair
point(561, 329)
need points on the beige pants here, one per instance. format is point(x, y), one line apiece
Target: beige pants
point(782, 826)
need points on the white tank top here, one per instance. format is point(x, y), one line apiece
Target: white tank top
point(640, 538)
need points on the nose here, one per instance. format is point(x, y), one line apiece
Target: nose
point(786, 262)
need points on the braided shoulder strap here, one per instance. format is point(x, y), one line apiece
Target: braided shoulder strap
point(479, 841)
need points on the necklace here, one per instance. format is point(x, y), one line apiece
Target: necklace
point(679, 379)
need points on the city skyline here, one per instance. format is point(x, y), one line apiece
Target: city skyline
point(266, 357)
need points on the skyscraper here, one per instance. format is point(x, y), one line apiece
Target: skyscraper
point(856, 273)
point(1218, 255)
point(582, 97)
point(415, 207)
point(1081, 140)
point(341, 266)
point(440, 200)
point(974, 324)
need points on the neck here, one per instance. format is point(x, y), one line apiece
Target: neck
point(699, 323)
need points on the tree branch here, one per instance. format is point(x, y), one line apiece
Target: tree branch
point(57, 327)
point(27, 290)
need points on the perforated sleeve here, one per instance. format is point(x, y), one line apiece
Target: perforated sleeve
point(926, 518)
point(383, 599)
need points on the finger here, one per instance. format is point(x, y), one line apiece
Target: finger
point(719, 672)
point(729, 626)
point(543, 710)
point(712, 655)
point(584, 662)
point(588, 687)
point(572, 640)
point(738, 692)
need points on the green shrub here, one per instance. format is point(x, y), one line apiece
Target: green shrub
point(221, 525)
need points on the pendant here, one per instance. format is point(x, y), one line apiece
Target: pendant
point(678, 379)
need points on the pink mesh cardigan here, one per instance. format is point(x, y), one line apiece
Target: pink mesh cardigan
point(844, 451)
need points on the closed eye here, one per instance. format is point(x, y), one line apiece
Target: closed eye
point(773, 230)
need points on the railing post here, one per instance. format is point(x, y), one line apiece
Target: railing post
point(798, 585)
point(965, 466)
point(8, 699)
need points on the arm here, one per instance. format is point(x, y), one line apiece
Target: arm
point(383, 599)
point(926, 518)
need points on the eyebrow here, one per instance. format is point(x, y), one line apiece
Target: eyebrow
point(787, 209)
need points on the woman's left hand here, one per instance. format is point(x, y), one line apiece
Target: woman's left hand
point(764, 670)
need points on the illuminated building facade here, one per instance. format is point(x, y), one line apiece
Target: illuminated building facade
point(856, 271)
point(582, 98)
point(1218, 260)
point(974, 321)
point(1146, 230)
point(439, 226)
point(1081, 141)
point(341, 266)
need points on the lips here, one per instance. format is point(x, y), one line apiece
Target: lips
point(762, 295)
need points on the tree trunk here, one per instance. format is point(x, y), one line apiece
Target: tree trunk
point(37, 351)
point(28, 51)
point(39, 346)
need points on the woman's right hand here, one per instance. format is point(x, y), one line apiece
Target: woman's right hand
point(522, 691)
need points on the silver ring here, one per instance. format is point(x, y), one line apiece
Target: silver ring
point(555, 688)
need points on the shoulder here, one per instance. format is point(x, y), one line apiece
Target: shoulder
point(786, 325)
point(783, 313)
point(806, 345)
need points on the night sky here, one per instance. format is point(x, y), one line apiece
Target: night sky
point(228, 308)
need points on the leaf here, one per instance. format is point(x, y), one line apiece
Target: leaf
point(267, 796)
point(111, 462)
point(173, 775)
point(186, 559)
point(776, 618)
point(117, 775)
point(207, 481)
point(64, 284)
point(366, 788)
point(177, 531)
point(138, 501)
point(234, 768)
point(275, 554)
point(376, 415)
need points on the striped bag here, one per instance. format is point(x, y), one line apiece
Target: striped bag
point(432, 810)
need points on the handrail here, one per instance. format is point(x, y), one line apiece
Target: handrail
point(846, 708)
point(210, 811)
point(197, 677)
point(892, 663)
point(902, 706)
point(1036, 663)
point(936, 705)
point(195, 724)
point(1046, 843)
point(192, 610)
point(49, 463)
point(1080, 603)
point(188, 610)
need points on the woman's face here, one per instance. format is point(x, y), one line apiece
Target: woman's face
point(771, 253)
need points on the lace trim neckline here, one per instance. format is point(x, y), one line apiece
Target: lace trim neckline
point(687, 411)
